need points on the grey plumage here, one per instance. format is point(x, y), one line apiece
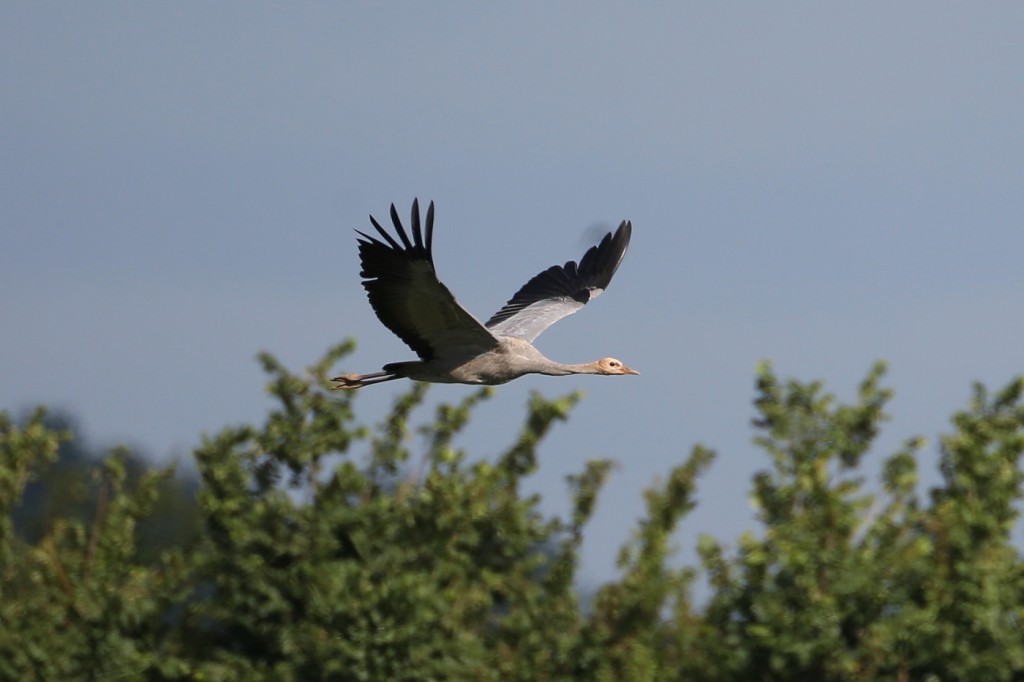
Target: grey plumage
point(453, 346)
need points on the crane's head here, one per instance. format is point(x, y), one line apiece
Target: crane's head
point(612, 366)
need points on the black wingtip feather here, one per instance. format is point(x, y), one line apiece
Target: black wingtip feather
point(417, 232)
point(600, 262)
point(387, 237)
point(430, 229)
point(397, 222)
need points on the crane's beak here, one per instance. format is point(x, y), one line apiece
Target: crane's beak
point(627, 370)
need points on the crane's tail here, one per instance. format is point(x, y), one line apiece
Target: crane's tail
point(351, 381)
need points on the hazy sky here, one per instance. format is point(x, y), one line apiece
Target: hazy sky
point(821, 185)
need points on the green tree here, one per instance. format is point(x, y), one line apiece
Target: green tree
point(78, 603)
point(843, 584)
point(329, 550)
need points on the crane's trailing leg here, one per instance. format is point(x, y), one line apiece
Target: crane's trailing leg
point(350, 381)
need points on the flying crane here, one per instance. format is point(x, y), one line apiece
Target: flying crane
point(453, 347)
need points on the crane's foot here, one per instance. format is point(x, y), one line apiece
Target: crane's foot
point(346, 382)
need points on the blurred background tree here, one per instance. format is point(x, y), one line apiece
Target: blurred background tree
point(67, 489)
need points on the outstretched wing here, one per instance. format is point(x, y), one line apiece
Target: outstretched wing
point(409, 299)
point(562, 289)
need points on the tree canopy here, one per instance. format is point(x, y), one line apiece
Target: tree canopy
point(313, 547)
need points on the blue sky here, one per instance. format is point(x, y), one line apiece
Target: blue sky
point(821, 185)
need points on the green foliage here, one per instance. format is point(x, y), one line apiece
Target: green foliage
point(77, 604)
point(844, 584)
point(323, 549)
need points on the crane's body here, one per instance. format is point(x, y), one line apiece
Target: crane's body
point(453, 346)
point(511, 359)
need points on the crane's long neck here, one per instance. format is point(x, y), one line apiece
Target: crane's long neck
point(523, 358)
point(559, 369)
